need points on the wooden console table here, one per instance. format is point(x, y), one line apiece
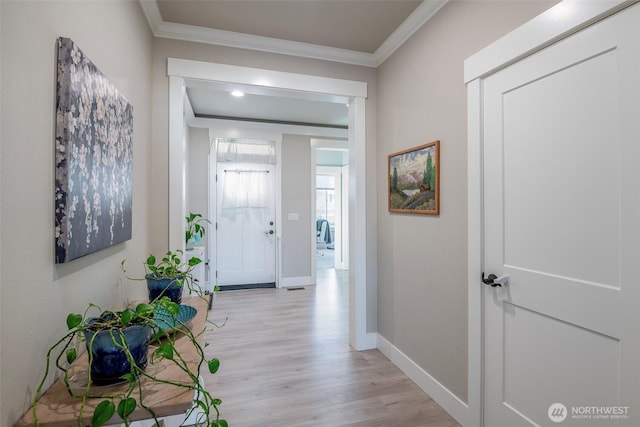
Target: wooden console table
point(56, 408)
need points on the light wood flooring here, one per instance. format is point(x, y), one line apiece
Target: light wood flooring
point(286, 361)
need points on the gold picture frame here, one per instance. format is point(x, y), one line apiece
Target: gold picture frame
point(414, 180)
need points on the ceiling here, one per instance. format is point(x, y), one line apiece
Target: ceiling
point(354, 25)
point(210, 102)
point(359, 32)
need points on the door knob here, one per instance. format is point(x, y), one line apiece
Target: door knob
point(268, 232)
point(489, 280)
point(493, 280)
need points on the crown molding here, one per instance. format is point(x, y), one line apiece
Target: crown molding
point(263, 44)
point(152, 13)
point(417, 19)
point(196, 34)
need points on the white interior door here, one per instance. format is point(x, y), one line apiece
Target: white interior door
point(246, 234)
point(562, 221)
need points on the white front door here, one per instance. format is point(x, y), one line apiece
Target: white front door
point(246, 232)
point(562, 221)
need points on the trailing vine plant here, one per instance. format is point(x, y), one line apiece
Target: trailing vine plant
point(125, 401)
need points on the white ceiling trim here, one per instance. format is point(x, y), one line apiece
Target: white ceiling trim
point(333, 90)
point(263, 44)
point(233, 125)
point(417, 19)
point(191, 33)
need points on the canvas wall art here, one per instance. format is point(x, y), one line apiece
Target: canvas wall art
point(414, 180)
point(93, 158)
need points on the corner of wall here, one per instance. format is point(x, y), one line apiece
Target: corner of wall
point(435, 389)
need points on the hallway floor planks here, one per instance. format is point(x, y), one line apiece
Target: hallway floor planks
point(286, 361)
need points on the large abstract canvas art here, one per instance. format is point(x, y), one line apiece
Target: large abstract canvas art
point(93, 158)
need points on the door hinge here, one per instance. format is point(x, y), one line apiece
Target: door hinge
point(216, 274)
point(216, 225)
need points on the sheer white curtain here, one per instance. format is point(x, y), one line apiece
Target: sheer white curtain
point(244, 189)
point(245, 151)
point(246, 185)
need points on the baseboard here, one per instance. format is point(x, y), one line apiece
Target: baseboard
point(439, 393)
point(286, 282)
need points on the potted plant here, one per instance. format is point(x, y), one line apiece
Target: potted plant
point(109, 333)
point(167, 276)
point(195, 231)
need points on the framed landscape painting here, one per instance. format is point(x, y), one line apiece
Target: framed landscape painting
point(414, 180)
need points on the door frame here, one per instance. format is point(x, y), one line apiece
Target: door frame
point(229, 132)
point(319, 143)
point(213, 177)
point(560, 21)
point(336, 172)
point(354, 93)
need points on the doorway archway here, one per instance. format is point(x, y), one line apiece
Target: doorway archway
point(181, 72)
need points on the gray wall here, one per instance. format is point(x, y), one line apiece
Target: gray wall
point(296, 198)
point(198, 178)
point(422, 293)
point(198, 171)
point(36, 294)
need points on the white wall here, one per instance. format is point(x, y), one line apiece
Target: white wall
point(35, 293)
point(422, 296)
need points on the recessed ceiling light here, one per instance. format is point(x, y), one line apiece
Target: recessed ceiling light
point(237, 93)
